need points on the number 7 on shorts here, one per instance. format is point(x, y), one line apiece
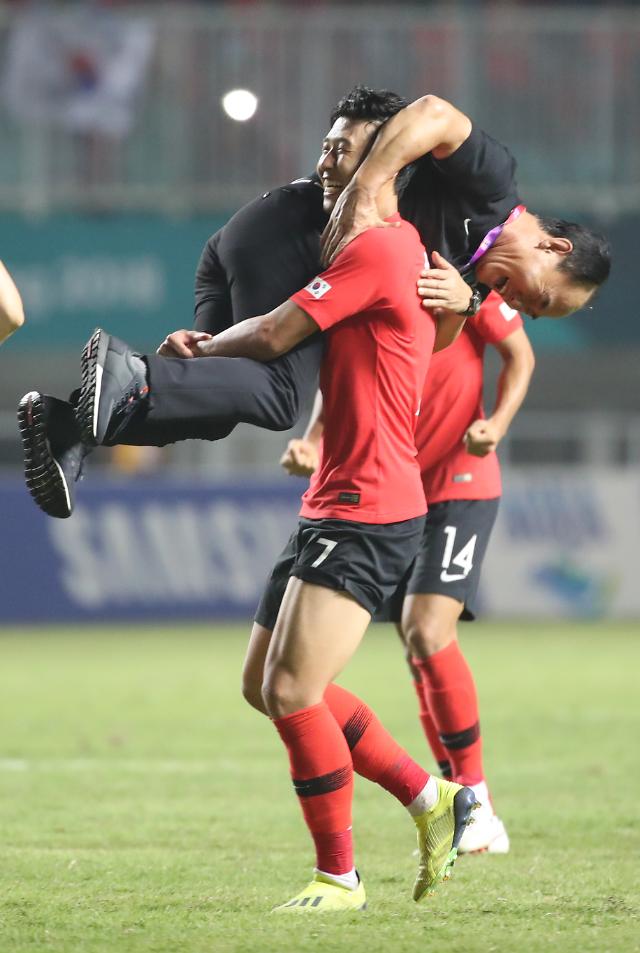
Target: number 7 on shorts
point(329, 546)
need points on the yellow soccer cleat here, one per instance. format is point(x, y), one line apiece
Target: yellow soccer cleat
point(439, 832)
point(324, 896)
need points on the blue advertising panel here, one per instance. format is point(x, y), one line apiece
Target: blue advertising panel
point(564, 546)
point(143, 549)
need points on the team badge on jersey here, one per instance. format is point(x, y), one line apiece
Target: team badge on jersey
point(318, 287)
point(507, 313)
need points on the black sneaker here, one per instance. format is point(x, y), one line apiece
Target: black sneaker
point(53, 452)
point(114, 386)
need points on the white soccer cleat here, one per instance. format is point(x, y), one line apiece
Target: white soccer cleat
point(487, 834)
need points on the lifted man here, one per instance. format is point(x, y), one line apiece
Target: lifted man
point(462, 196)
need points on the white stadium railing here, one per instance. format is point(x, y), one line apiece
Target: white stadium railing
point(560, 85)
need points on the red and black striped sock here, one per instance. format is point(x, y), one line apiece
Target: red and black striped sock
point(322, 773)
point(450, 694)
point(376, 755)
point(438, 750)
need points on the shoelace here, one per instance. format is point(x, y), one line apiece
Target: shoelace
point(126, 407)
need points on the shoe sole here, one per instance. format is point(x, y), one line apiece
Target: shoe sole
point(484, 850)
point(498, 845)
point(93, 357)
point(464, 804)
point(43, 475)
point(297, 910)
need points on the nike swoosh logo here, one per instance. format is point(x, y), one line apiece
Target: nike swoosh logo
point(452, 577)
point(466, 226)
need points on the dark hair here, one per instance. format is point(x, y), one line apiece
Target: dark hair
point(589, 263)
point(372, 105)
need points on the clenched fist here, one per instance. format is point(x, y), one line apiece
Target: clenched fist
point(482, 437)
point(300, 458)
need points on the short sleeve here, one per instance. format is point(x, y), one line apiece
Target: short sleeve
point(454, 202)
point(213, 310)
point(352, 284)
point(495, 320)
point(481, 166)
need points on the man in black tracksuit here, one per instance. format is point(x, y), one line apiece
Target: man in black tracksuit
point(265, 253)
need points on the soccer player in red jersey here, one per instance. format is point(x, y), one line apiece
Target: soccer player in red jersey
point(361, 524)
point(461, 477)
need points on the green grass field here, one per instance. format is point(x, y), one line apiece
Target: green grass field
point(144, 807)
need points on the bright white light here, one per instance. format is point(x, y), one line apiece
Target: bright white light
point(240, 104)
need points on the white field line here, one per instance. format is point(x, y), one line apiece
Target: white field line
point(133, 765)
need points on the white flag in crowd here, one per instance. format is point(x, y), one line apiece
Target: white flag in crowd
point(78, 68)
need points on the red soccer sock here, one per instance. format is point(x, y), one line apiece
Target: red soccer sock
point(450, 693)
point(322, 773)
point(438, 750)
point(376, 755)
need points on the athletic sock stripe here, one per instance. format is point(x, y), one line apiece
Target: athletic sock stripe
point(445, 769)
point(461, 739)
point(324, 784)
point(356, 726)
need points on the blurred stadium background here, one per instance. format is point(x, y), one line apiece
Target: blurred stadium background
point(118, 161)
point(144, 806)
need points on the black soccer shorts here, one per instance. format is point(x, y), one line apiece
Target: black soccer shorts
point(455, 540)
point(367, 560)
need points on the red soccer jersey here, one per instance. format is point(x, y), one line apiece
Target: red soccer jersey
point(452, 400)
point(379, 342)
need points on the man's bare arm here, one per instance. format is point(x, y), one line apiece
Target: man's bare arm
point(429, 124)
point(302, 455)
point(448, 327)
point(315, 424)
point(262, 338)
point(11, 308)
point(518, 362)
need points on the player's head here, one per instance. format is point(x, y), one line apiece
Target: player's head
point(354, 125)
point(546, 267)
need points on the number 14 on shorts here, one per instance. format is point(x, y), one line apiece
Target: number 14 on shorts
point(463, 560)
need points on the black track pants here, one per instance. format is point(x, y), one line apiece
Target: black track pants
point(204, 398)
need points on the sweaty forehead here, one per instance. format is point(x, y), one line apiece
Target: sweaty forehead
point(355, 131)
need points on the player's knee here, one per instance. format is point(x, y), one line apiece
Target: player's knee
point(278, 407)
point(282, 695)
point(427, 635)
point(288, 416)
point(408, 654)
point(252, 693)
